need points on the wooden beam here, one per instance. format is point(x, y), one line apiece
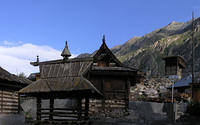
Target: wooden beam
point(127, 88)
point(102, 90)
point(79, 109)
point(19, 107)
point(86, 107)
point(38, 108)
point(51, 109)
point(1, 100)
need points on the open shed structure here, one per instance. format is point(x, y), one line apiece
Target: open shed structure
point(9, 86)
point(99, 83)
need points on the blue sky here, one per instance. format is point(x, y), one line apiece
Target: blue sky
point(83, 22)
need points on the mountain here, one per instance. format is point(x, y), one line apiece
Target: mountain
point(146, 52)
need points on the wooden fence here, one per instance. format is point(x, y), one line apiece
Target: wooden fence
point(9, 102)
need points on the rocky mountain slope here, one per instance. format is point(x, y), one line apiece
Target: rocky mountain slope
point(146, 52)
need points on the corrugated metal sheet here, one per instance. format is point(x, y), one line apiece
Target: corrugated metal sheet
point(185, 82)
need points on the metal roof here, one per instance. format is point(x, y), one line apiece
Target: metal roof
point(185, 82)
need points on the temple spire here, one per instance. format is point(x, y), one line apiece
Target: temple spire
point(103, 39)
point(66, 53)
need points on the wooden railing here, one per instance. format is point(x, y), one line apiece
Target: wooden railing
point(62, 114)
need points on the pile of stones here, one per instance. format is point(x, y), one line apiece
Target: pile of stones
point(150, 88)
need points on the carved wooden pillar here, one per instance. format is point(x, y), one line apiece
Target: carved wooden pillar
point(51, 108)
point(38, 108)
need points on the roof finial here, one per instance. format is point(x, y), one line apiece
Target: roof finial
point(66, 43)
point(65, 53)
point(103, 40)
point(38, 59)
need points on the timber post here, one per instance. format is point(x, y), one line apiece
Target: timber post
point(19, 107)
point(79, 109)
point(51, 109)
point(86, 107)
point(1, 100)
point(102, 89)
point(127, 88)
point(38, 108)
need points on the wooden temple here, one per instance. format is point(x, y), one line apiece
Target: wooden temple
point(10, 84)
point(99, 83)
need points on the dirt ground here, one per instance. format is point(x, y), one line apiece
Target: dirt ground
point(12, 119)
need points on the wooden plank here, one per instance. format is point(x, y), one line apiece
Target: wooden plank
point(9, 101)
point(6, 97)
point(8, 92)
point(10, 95)
point(11, 109)
point(67, 109)
point(11, 105)
point(45, 113)
point(69, 116)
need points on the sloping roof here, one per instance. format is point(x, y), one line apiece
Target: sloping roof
point(5, 75)
point(185, 82)
point(32, 76)
point(63, 84)
point(112, 68)
point(104, 48)
point(65, 76)
point(69, 69)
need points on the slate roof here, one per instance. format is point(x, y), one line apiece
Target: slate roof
point(63, 84)
point(5, 75)
point(62, 76)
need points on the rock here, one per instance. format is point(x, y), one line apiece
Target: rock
point(151, 88)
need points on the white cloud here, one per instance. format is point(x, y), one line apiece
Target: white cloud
point(16, 59)
point(9, 43)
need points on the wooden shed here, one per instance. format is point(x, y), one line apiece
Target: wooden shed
point(100, 83)
point(10, 84)
point(174, 66)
